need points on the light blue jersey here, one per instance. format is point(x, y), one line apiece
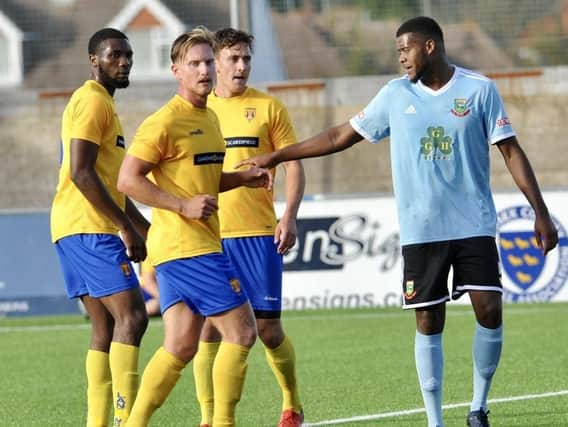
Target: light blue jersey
point(439, 153)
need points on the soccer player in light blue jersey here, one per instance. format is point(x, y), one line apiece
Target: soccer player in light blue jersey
point(441, 120)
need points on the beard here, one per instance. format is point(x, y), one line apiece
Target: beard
point(117, 83)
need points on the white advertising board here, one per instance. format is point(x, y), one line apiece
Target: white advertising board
point(348, 254)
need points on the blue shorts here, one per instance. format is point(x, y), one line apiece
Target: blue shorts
point(259, 267)
point(95, 265)
point(208, 284)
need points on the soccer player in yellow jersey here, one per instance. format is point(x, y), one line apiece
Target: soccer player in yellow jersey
point(182, 147)
point(252, 123)
point(86, 217)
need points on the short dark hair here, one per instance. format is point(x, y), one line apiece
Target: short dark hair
point(422, 25)
point(102, 35)
point(228, 37)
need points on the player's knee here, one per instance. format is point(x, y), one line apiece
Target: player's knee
point(431, 384)
point(133, 325)
point(183, 350)
point(490, 317)
point(245, 336)
point(271, 337)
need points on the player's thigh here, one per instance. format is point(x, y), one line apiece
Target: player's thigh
point(476, 266)
point(259, 269)
point(182, 327)
point(125, 304)
point(425, 274)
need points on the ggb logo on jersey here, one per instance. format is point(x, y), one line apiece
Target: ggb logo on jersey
point(532, 276)
point(436, 145)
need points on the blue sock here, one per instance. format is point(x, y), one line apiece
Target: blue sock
point(487, 344)
point(429, 359)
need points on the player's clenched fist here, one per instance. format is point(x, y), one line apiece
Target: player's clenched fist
point(199, 207)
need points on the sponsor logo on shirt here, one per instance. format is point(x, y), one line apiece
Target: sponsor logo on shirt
point(504, 121)
point(196, 132)
point(534, 277)
point(208, 158)
point(250, 113)
point(120, 141)
point(436, 145)
point(241, 141)
point(460, 107)
point(411, 109)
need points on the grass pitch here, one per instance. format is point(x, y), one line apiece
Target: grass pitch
point(355, 367)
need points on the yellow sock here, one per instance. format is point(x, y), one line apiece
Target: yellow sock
point(99, 388)
point(159, 378)
point(282, 361)
point(229, 372)
point(123, 360)
point(203, 374)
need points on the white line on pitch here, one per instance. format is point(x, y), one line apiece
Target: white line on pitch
point(293, 317)
point(420, 410)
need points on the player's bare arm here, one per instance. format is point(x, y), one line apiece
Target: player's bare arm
point(523, 174)
point(133, 182)
point(140, 222)
point(286, 230)
point(253, 177)
point(332, 140)
point(84, 176)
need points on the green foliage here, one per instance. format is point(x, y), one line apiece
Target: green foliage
point(350, 363)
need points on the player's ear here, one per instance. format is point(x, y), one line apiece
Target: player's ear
point(175, 68)
point(94, 60)
point(430, 46)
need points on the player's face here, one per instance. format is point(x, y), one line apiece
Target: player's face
point(233, 68)
point(112, 63)
point(413, 55)
point(195, 72)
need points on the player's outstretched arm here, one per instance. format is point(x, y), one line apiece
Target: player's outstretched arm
point(523, 174)
point(332, 140)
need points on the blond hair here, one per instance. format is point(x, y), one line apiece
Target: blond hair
point(180, 46)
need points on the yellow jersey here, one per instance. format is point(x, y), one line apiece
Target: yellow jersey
point(253, 123)
point(89, 115)
point(185, 144)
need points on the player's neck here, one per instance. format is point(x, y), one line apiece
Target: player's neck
point(109, 89)
point(438, 76)
point(223, 91)
point(193, 98)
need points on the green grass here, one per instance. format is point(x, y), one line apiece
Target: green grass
point(351, 363)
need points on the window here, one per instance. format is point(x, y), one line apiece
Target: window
point(4, 56)
point(151, 51)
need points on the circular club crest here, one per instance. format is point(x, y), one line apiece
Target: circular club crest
point(529, 276)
